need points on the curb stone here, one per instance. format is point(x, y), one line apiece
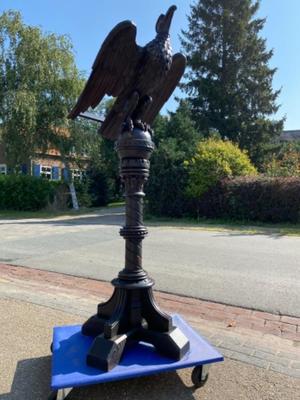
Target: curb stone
point(241, 343)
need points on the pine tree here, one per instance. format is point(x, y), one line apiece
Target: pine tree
point(229, 80)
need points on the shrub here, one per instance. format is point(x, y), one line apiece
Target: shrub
point(214, 160)
point(261, 198)
point(285, 164)
point(98, 188)
point(25, 193)
point(165, 191)
point(82, 193)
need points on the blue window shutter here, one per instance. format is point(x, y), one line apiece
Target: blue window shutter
point(55, 173)
point(66, 174)
point(24, 169)
point(36, 170)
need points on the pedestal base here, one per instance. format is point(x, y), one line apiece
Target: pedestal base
point(69, 368)
point(131, 315)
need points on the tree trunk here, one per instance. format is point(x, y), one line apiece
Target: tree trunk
point(75, 204)
point(71, 185)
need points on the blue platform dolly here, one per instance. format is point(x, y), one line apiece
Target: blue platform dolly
point(70, 347)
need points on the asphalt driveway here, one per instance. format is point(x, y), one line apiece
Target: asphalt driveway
point(254, 271)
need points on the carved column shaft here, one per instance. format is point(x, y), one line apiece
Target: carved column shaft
point(134, 150)
point(134, 176)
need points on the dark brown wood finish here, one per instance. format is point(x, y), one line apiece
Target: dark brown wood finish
point(142, 79)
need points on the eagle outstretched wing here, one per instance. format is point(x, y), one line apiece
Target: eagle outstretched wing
point(163, 92)
point(117, 56)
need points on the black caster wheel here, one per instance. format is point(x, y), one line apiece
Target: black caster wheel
point(53, 396)
point(51, 347)
point(200, 375)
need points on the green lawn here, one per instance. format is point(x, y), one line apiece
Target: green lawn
point(8, 214)
point(225, 225)
point(182, 223)
point(116, 204)
point(43, 214)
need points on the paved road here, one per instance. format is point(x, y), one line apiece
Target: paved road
point(255, 271)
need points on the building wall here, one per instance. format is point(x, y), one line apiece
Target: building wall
point(50, 165)
point(53, 168)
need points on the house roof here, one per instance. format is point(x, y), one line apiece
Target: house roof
point(291, 135)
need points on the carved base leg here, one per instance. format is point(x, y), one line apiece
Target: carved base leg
point(106, 353)
point(111, 317)
point(131, 315)
point(172, 344)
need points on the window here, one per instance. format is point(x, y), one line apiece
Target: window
point(3, 169)
point(84, 153)
point(46, 172)
point(72, 151)
point(77, 174)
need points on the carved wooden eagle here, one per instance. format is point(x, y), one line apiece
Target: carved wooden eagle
point(141, 78)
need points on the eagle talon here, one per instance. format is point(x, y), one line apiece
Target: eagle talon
point(139, 124)
point(129, 125)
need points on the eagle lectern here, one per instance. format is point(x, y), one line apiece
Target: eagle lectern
point(142, 79)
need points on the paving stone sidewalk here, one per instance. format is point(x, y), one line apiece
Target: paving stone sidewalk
point(261, 339)
point(25, 365)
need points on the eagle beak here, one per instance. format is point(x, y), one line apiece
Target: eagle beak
point(168, 18)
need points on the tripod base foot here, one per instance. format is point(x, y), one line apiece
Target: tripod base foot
point(131, 315)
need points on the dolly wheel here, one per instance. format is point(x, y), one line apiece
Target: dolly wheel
point(199, 376)
point(53, 396)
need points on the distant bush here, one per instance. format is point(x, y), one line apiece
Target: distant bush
point(286, 163)
point(25, 193)
point(264, 199)
point(214, 160)
point(98, 188)
point(165, 191)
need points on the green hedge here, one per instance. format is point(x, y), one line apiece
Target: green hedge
point(25, 193)
point(98, 188)
point(262, 199)
point(165, 191)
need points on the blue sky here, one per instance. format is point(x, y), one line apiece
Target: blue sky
point(88, 22)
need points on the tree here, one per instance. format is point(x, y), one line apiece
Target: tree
point(229, 81)
point(177, 126)
point(175, 137)
point(77, 145)
point(108, 163)
point(39, 84)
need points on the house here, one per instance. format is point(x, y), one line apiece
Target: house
point(290, 136)
point(48, 165)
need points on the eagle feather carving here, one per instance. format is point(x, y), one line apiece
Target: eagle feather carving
point(141, 78)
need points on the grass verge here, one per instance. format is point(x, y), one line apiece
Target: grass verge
point(247, 227)
point(11, 214)
point(8, 214)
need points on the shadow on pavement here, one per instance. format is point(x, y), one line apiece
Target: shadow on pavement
point(272, 235)
point(32, 382)
point(164, 386)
